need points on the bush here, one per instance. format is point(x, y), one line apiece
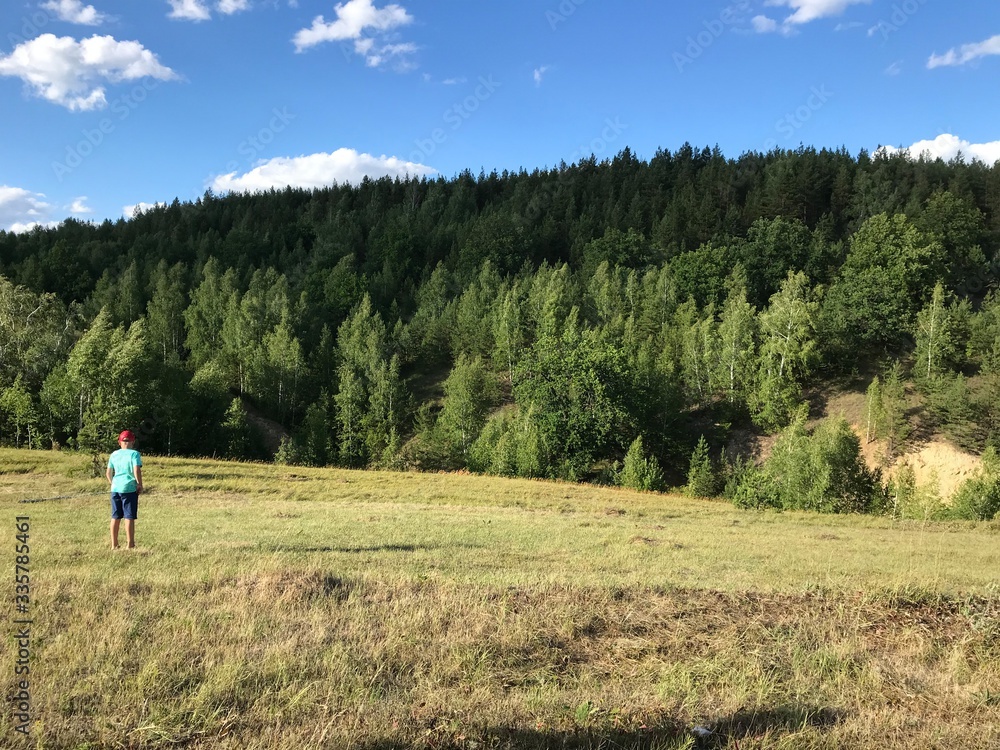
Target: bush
point(511, 445)
point(823, 471)
point(639, 472)
point(978, 498)
point(756, 489)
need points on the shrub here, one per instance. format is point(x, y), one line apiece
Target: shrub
point(701, 477)
point(823, 471)
point(978, 498)
point(639, 472)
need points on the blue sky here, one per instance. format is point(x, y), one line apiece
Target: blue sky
point(118, 103)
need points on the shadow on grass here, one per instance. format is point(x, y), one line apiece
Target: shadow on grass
point(347, 550)
point(726, 732)
point(361, 549)
point(781, 720)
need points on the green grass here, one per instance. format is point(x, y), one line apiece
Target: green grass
point(280, 607)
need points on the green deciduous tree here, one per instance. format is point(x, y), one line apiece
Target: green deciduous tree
point(18, 410)
point(370, 396)
point(787, 351)
point(734, 370)
point(937, 348)
point(889, 272)
point(470, 392)
point(823, 471)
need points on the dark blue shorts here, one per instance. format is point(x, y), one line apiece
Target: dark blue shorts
point(125, 505)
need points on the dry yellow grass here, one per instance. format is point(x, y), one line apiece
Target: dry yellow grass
point(276, 607)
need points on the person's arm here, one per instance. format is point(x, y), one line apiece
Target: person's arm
point(138, 478)
point(108, 473)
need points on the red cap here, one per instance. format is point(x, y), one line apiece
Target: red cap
point(126, 435)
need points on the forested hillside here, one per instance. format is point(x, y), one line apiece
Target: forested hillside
point(554, 323)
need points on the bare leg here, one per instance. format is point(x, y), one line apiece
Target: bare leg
point(130, 532)
point(114, 533)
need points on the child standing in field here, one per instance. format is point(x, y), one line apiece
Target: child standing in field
point(125, 474)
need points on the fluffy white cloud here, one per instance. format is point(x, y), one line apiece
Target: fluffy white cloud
point(129, 211)
point(359, 21)
point(189, 10)
point(228, 7)
point(812, 10)
point(199, 10)
point(22, 210)
point(353, 18)
point(966, 53)
point(345, 165)
point(947, 146)
point(74, 11)
point(539, 74)
point(71, 73)
point(79, 206)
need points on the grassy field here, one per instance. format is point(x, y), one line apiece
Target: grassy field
point(280, 607)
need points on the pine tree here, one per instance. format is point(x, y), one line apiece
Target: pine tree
point(701, 480)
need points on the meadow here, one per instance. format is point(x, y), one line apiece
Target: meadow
point(282, 607)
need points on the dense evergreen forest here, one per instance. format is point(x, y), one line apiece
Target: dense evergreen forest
point(603, 321)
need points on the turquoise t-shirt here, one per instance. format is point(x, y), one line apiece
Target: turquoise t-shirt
point(123, 462)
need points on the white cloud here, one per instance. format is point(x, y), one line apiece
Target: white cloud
point(895, 69)
point(129, 211)
point(353, 18)
point(74, 11)
point(344, 165)
point(848, 26)
point(376, 57)
point(539, 73)
point(79, 206)
point(764, 25)
point(966, 53)
point(199, 10)
point(947, 146)
point(189, 10)
point(71, 73)
point(228, 7)
point(812, 10)
point(364, 24)
point(22, 210)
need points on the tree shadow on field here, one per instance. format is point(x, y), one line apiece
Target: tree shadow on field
point(780, 720)
point(347, 550)
point(361, 549)
point(725, 732)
